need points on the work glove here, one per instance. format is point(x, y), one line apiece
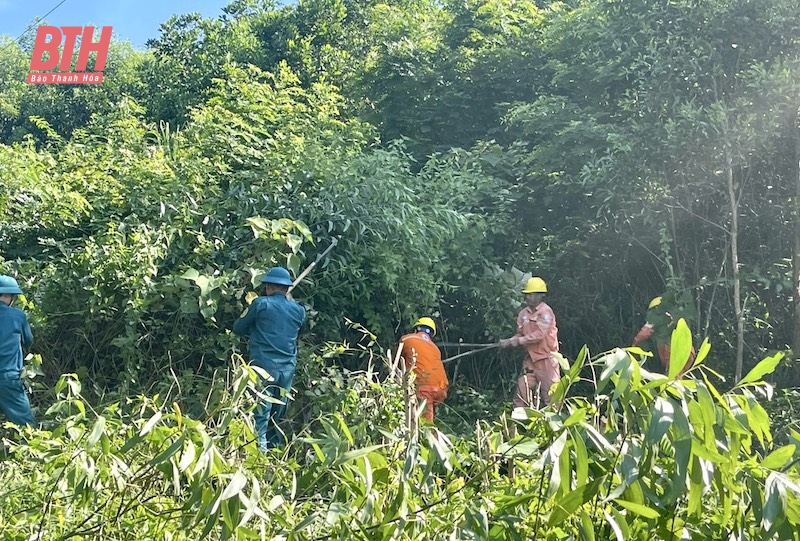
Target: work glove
point(505, 343)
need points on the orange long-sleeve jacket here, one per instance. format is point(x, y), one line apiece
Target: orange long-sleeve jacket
point(428, 367)
point(537, 332)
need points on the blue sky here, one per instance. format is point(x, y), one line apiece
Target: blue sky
point(135, 21)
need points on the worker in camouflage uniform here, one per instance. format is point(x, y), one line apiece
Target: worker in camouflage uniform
point(663, 314)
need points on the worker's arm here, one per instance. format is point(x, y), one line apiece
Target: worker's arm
point(27, 334)
point(542, 327)
point(644, 334)
point(543, 324)
point(245, 322)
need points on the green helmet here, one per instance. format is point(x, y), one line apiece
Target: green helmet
point(9, 286)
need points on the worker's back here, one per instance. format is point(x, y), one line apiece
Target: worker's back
point(428, 366)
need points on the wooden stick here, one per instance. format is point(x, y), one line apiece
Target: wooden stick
point(303, 274)
point(461, 344)
point(491, 346)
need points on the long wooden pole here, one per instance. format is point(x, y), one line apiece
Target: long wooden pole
point(461, 344)
point(453, 358)
point(308, 269)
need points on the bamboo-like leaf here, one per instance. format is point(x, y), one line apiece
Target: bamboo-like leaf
point(779, 457)
point(680, 348)
point(148, 426)
point(586, 527)
point(639, 509)
point(564, 507)
point(97, 432)
point(616, 523)
point(766, 366)
point(236, 484)
point(682, 443)
point(696, 485)
point(774, 502)
point(703, 352)
point(580, 359)
point(662, 417)
point(188, 456)
point(581, 458)
point(354, 454)
point(169, 451)
point(335, 511)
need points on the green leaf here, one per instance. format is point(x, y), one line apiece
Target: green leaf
point(189, 454)
point(335, 511)
point(294, 242)
point(779, 457)
point(238, 482)
point(577, 366)
point(564, 507)
point(694, 503)
point(148, 426)
point(618, 525)
point(586, 527)
point(354, 454)
point(702, 353)
point(775, 502)
point(639, 509)
point(682, 443)
point(97, 432)
point(662, 417)
point(524, 448)
point(680, 348)
point(293, 263)
point(581, 458)
point(169, 451)
point(190, 274)
point(766, 366)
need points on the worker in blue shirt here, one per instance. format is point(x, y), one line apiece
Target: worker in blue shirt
point(15, 332)
point(272, 322)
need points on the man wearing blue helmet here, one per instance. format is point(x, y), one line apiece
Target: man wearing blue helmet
point(15, 333)
point(273, 323)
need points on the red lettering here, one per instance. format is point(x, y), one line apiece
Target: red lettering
point(88, 46)
point(71, 34)
point(42, 46)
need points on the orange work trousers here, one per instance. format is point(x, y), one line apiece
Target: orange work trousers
point(543, 374)
point(433, 396)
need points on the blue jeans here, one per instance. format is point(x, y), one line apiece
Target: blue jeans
point(14, 400)
point(267, 414)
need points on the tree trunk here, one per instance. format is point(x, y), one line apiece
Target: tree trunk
point(737, 296)
point(796, 256)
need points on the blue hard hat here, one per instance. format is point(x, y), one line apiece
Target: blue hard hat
point(277, 275)
point(9, 286)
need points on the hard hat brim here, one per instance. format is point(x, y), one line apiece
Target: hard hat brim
point(279, 281)
point(10, 291)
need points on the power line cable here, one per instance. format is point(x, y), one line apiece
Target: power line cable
point(33, 24)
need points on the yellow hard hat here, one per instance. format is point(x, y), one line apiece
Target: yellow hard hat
point(535, 285)
point(655, 302)
point(426, 322)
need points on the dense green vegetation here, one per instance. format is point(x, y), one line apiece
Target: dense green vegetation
point(616, 148)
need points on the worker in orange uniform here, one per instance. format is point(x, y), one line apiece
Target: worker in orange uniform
point(663, 314)
point(430, 376)
point(538, 334)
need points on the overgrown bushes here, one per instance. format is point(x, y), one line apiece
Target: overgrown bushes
point(647, 457)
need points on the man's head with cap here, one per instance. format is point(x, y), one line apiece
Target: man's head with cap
point(277, 279)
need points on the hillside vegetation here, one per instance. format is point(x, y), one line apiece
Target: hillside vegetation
point(617, 148)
